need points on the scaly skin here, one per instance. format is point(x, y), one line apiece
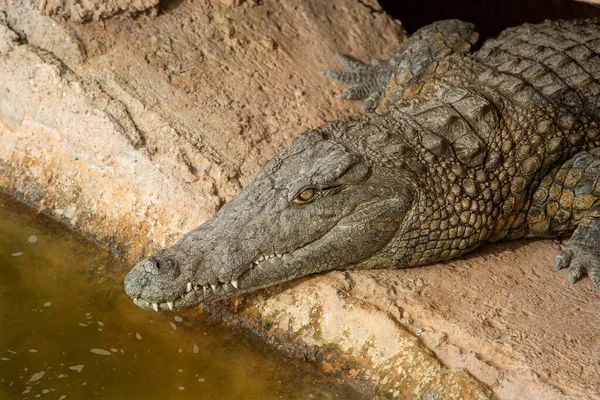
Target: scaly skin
point(463, 149)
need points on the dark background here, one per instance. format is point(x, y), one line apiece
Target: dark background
point(490, 17)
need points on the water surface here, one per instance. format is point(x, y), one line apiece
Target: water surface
point(68, 331)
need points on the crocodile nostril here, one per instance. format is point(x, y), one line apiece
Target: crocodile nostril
point(152, 266)
point(157, 265)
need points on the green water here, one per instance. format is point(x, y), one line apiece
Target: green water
point(68, 331)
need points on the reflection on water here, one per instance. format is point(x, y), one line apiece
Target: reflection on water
point(68, 331)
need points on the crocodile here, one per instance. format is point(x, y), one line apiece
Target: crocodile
point(463, 144)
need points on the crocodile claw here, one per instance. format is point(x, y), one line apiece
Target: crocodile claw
point(582, 252)
point(364, 80)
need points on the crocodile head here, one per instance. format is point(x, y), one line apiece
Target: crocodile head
point(316, 206)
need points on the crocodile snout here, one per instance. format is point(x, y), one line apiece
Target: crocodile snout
point(135, 282)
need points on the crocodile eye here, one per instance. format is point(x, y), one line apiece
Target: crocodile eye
point(305, 196)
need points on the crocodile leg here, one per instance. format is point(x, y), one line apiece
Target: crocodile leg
point(569, 197)
point(424, 48)
point(365, 81)
point(582, 252)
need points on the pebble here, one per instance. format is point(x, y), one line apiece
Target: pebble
point(138, 336)
point(47, 304)
point(101, 352)
point(201, 380)
point(173, 326)
point(36, 377)
point(177, 318)
point(17, 254)
point(195, 349)
point(32, 239)
point(181, 387)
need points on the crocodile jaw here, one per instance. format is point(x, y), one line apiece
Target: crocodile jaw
point(192, 293)
point(268, 234)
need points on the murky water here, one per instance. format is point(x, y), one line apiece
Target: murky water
point(68, 331)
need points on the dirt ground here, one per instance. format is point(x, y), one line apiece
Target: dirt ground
point(136, 126)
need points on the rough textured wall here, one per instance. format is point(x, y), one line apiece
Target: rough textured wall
point(136, 130)
point(94, 10)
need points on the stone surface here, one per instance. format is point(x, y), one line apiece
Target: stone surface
point(94, 10)
point(502, 314)
point(135, 131)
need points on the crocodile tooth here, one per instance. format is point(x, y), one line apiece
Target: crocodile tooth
point(214, 287)
point(278, 255)
point(234, 282)
point(256, 262)
point(155, 306)
point(268, 257)
point(205, 290)
point(197, 287)
point(189, 287)
point(170, 305)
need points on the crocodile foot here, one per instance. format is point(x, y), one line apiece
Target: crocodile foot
point(365, 81)
point(582, 252)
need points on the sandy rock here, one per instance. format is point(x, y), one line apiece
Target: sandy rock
point(501, 314)
point(94, 10)
point(141, 129)
point(135, 131)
